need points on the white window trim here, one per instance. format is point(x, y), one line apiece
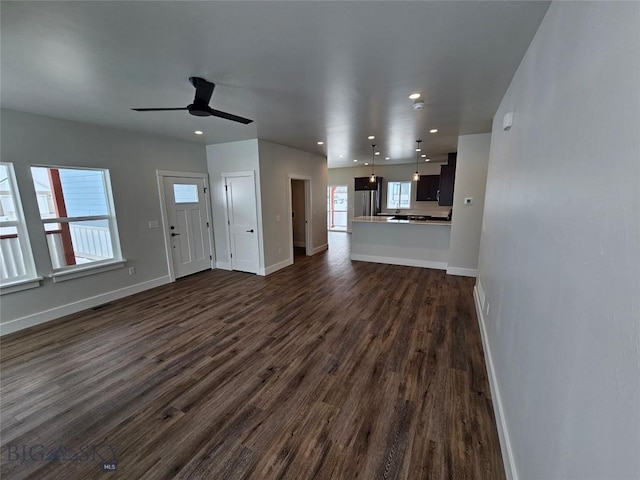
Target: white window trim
point(389, 190)
point(73, 272)
point(19, 285)
point(30, 280)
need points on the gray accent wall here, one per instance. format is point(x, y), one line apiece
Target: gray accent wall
point(560, 247)
point(277, 163)
point(132, 159)
point(273, 165)
point(471, 179)
point(222, 158)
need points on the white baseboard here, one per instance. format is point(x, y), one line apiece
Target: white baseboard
point(501, 424)
point(319, 249)
point(275, 267)
point(463, 272)
point(223, 265)
point(74, 307)
point(407, 262)
point(299, 244)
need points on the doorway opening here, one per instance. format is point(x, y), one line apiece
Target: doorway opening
point(337, 208)
point(300, 226)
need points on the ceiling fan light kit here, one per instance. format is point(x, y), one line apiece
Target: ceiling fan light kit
point(200, 106)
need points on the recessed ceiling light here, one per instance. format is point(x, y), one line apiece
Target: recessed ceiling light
point(371, 137)
point(427, 159)
point(423, 156)
point(433, 130)
point(413, 96)
point(386, 158)
point(418, 149)
point(320, 143)
point(341, 156)
point(355, 160)
point(377, 153)
point(198, 132)
point(366, 163)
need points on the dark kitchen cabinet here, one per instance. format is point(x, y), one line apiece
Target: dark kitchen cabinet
point(363, 183)
point(452, 158)
point(427, 188)
point(447, 179)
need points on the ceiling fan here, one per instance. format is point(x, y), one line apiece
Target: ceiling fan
point(200, 106)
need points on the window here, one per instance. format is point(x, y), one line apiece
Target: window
point(77, 212)
point(185, 193)
point(398, 195)
point(17, 265)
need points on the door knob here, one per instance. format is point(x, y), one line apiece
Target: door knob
point(175, 234)
point(250, 231)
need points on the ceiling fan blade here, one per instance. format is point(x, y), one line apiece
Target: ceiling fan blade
point(230, 116)
point(156, 109)
point(204, 90)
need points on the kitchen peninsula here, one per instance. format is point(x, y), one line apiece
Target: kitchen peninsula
point(414, 243)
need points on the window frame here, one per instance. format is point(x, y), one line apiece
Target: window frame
point(30, 279)
point(389, 192)
point(69, 272)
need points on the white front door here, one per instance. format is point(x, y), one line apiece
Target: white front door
point(243, 222)
point(189, 238)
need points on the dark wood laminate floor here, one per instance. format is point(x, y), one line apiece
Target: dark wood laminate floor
point(327, 369)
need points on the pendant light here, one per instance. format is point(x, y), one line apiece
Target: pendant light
point(416, 176)
point(372, 178)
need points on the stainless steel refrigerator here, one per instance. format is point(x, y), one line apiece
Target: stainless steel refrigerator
point(365, 203)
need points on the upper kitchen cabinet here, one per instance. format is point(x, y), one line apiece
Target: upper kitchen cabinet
point(427, 188)
point(363, 183)
point(447, 179)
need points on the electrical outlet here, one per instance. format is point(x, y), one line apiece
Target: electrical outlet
point(277, 218)
point(279, 251)
point(154, 224)
point(132, 270)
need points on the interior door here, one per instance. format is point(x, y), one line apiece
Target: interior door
point(185, 198)
point(243, 222)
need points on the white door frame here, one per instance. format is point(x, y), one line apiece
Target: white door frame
point(307, 213)
point(161, 174)
point(244, 173)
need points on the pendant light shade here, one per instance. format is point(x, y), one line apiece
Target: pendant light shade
point(416, 176)
point(372, 178)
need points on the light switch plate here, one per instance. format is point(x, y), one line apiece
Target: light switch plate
point(468, 201)
point(154, 224)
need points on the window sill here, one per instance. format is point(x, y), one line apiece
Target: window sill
point(20, 285)
point(79, 272)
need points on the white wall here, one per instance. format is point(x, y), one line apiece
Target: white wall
point(226, 158)
point(132, 159)
point(277, 163)
point(466, 223)
point(390, 173)
point(560, 248)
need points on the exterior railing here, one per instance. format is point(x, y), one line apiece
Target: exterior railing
point(12, 263)
point(90, 244)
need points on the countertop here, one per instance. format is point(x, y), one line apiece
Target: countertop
point(390, 220)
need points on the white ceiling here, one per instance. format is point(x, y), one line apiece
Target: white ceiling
point(304, 71)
